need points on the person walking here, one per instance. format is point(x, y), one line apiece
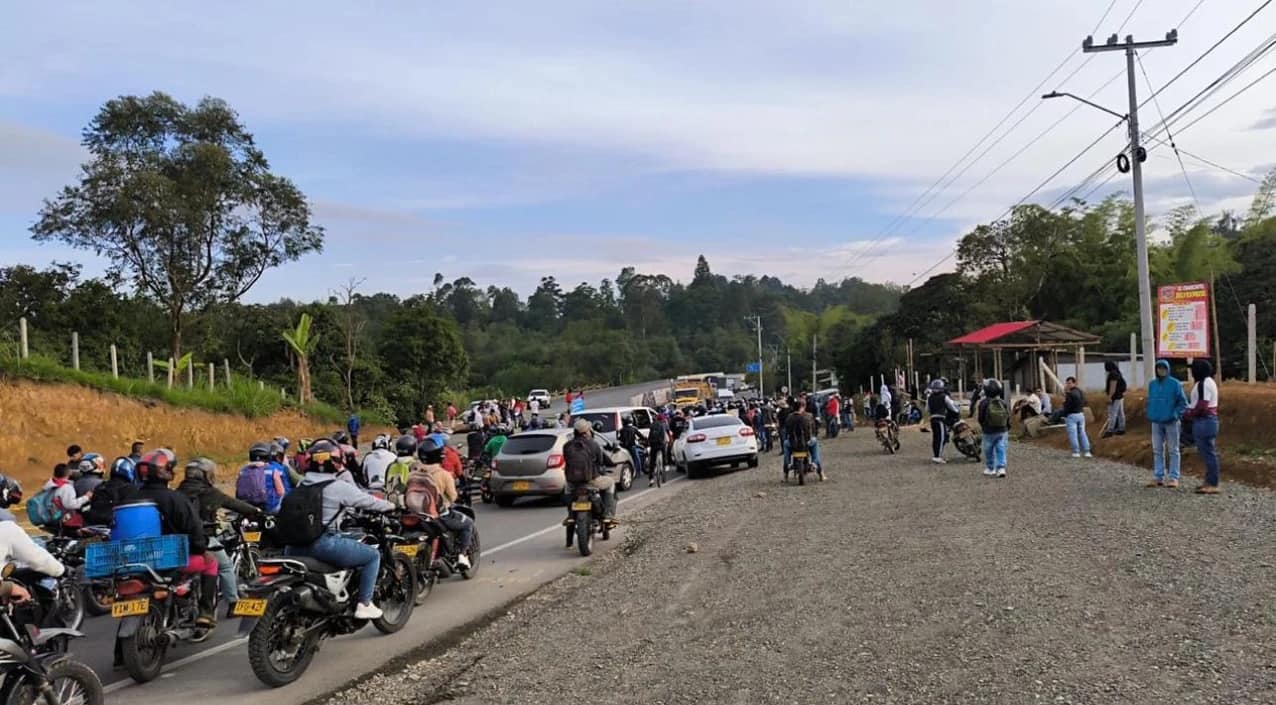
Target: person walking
point(994, 420)
point(940, 406)
point(1203, 412)
point(1074, 417)
point(352, 426)
point(1115, 386)
point(429, 415)
point(1165, 406)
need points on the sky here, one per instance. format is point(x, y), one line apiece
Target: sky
point(506, 141)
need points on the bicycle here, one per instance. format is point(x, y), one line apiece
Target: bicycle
point(656, 467)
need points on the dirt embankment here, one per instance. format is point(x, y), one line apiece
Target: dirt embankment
point(1246, 442)
point(41, 420)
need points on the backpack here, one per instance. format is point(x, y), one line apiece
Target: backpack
point(43, 511)
point(420, 495)
point(579, 461)
point(250, 486)
point(998, 415)
point(300, 518)
point(396, 475)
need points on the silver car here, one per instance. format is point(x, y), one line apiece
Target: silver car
point(531, 464)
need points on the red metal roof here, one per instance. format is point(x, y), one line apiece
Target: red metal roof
point(983, 336)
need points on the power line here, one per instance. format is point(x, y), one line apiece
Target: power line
point(1157, 102)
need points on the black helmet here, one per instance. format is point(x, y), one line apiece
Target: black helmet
point(259, 452)
point(10, 492)
point(992, 388)
point(277, 450)
point(341, 438)
point(325, 457)
point(405, 446)
point(201, 469)
point(430, 452)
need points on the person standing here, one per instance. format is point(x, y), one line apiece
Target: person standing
point(1203, 411)
point(1116, 400)
point(940, 405)
point(352, 426)
point(994, 420)
point(1074, 417)
point(451, 412)
point(429, 415)
point(1165, 406)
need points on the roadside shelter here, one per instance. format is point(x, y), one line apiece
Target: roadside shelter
point(1030, 343)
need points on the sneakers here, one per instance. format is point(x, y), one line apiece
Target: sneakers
point(1172, 484)
point(939, 461)
point(1088, 454)
point(1207, 489)
point(990, 472)
point(820, 474)
point(463, 561)
point(1156, 483)
point(367, 610)
point(1001, 472)
point(1076, 455)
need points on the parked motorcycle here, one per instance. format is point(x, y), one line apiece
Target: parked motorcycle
point(434, 551)
point(909, 415)
point(34, 666)
point(967, 439)
point(585, 518)
point(297, 602)
point(888, 435)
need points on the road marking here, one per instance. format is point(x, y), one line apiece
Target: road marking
point(207, 653)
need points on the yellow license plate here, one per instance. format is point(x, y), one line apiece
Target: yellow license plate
point(724, 441)
point(407, 549)
point(130, 608)
point(582, 506)
point(800, 454)
point(249, 608)
point(521, 486)
point(252, 536)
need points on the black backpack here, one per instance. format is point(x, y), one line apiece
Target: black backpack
point(300, 518)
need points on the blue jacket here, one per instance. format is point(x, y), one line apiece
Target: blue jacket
point(1166, 400)
point(352, 425)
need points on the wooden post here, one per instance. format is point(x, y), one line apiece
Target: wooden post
point(171, 371)
point(212, 374)
point(226, 370)
point(75, 350)
point(150, 367)
point(1252, 344)
point(115, 362)
point(1081, 367)
point(24, 350)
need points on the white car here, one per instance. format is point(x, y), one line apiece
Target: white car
point(720, 439)
point(541, 396)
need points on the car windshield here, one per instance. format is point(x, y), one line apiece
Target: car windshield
point(528, 444)
point(540, 393)
point(607, 418)
point(704, 422)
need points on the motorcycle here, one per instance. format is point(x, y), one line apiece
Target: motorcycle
point(910, 414)
point(800, 465)
point(297, 602)
point(967, 439)
point(63, 601)
point(157, 610)
point(34, 666)
point(888, 435)
point(433, 549)
point(241, 539)
point(585, 518)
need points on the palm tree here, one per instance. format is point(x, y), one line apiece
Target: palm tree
point(303, 344)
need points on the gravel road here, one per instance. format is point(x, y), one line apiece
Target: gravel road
point(896, 581)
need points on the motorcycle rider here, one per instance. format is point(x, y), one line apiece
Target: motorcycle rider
point(180, 516)
point(500, 434)
point(199, 487)
point(64, 498)
point(119, 488)
point(91, 469)
point(941, 407)
point(584, 460)
point(430, 454)
point(16, 545)
point(799, 428)
point(631, 440)
point(658, 441)
point(10, 494)
point(332, 547)
point(377, 460)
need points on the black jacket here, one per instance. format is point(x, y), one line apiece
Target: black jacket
point(178, 514)
point(584, 459)
point(106, 497)
point(657, 434)
point(208, 499)
point(628, 436)
point(1115, 384)
point(800, 428)
point(1074, 401)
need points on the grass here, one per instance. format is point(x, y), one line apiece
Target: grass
point(583, 572)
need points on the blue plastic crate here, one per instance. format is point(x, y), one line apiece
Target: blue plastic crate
point(106, 558)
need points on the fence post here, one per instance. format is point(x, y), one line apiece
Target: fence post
point(283, 393)
point(1253, 344)
point(24, 350)
point(115, 362)
point(226, 369)
point(171, 371)
point(190, 375)
point(261, 384)
point(150, 367)
point(212, 370)
point(75, 349)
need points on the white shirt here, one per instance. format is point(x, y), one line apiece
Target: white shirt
point(65, 496)
point(885, 396)
point(535, 406)
point(1211, 394)
point(375, 464)
point(15, 545)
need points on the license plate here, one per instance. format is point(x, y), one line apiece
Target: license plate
point(521, 486)
point(252, 536)
point(131, 608)
point(800, 454)
point(582, 506)
point(407, 549)
point(249, 608)
point(724, 441)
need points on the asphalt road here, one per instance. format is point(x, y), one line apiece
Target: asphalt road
point(522, 549)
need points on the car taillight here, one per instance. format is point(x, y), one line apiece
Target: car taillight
point(555, 461)
point(696, 438)
point(746, 431)
point(126, 588)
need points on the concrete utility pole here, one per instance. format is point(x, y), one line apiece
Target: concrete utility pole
point(1135, 166)
point(814, 351)
point(761, 392)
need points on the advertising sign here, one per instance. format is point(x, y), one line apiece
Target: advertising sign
point(1183, 320)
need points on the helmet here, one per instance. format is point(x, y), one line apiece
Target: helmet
point(93, 464)
point(124, 469)
point(341, 438)
point(277, 450)
point(937, 385)
point(157, 466)
point(10, 492)
point(381, 442)
point(992, 388)
point(501, 431)
point(259, 452)
point(283, 441)
point(201, 469)
point(627, 421)
point(325, 457)
point(582, 426)
point(430, 452)
point(405, 446)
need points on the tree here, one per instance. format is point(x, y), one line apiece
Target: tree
point(182, 204)
point(425, 351)
point(352, 323)
point(303, 343)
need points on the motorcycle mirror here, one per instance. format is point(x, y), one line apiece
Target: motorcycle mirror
point(8, 570)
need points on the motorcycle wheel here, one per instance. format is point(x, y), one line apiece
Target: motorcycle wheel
point(584, 533)
point(425, 578)
point(397, 595)
point(275, 657)
point(72, 683)
point(475, 554)
point(69, 609)
point(246, 560)
point(144, 651)
point(97, 599)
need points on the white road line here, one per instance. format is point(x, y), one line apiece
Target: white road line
point(120, 685)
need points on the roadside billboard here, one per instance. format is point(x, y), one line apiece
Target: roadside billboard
point(1183, 320)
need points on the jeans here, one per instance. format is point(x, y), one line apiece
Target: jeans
point(636, 453)
point(995, 443)
point(938, 436)
point(788, 452)
point(462, 526)
point(1205, 431)
point(225, 572)
point(1076, 433)
point(848, 420)
point(1116, 416)
point(832, 427)
point(607, 486)
point(814, 447)
point(1165, 439)
point(346, 552)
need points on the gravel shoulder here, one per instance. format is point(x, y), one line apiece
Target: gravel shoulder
point(896, 581)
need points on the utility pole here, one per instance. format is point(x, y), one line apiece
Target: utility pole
point(1135, 162)
point(814, 350)
point(761, 389)
point(789, 355)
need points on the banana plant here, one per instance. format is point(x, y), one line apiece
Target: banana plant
point(302, 341)
point(179, 366)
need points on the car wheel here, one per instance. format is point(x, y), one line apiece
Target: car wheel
point(505, 500)
point(693, 470)
point(753, 460)
point(626, 478)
